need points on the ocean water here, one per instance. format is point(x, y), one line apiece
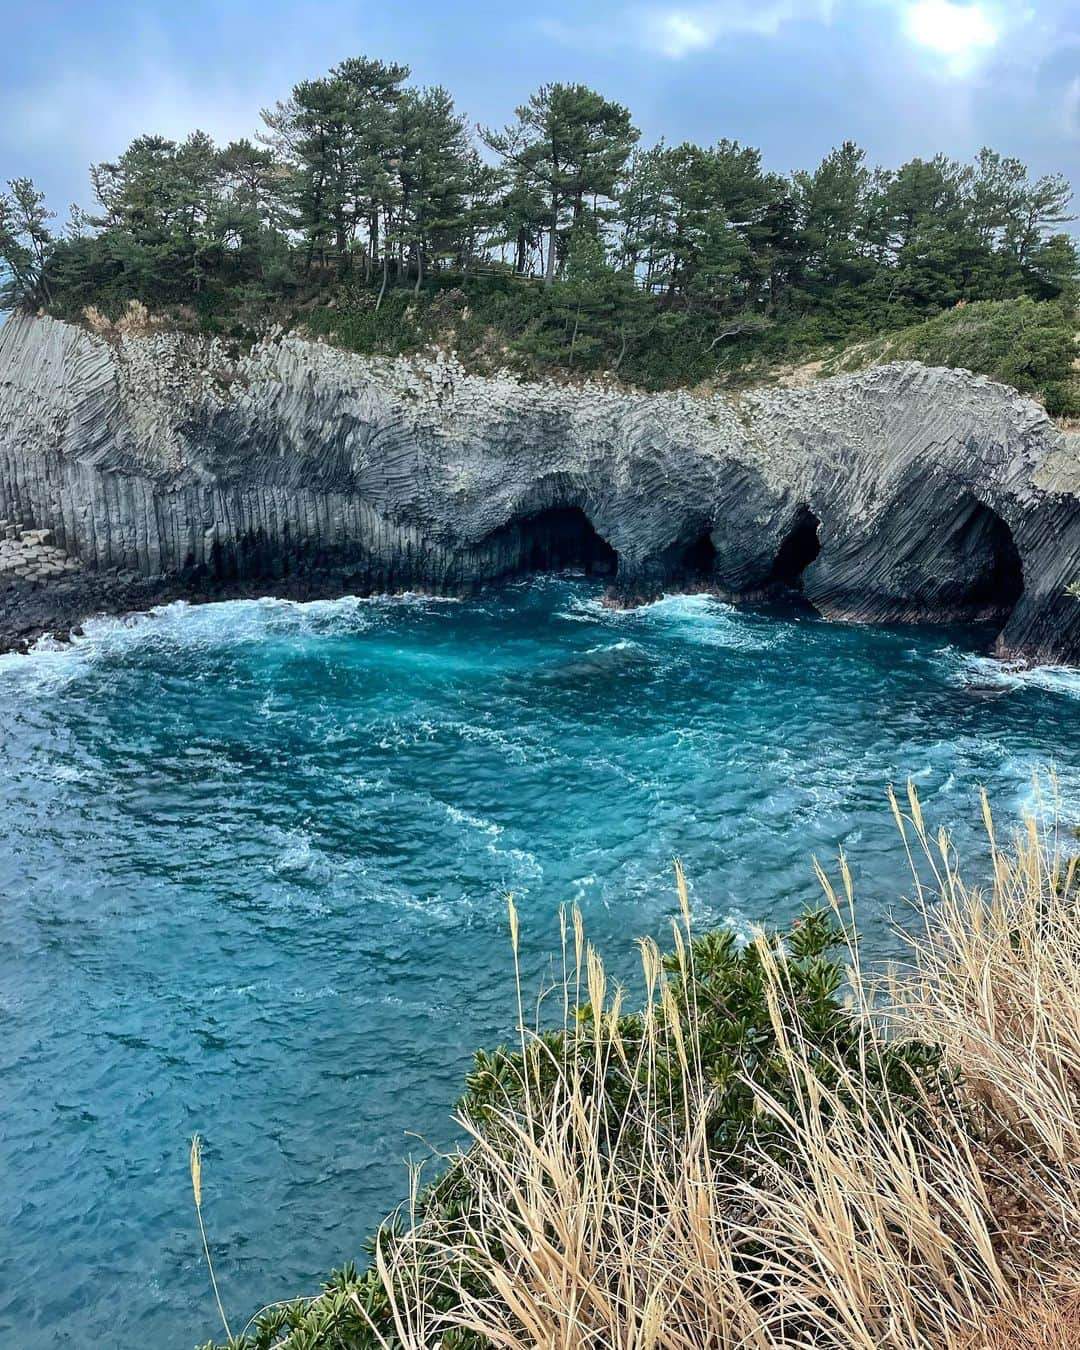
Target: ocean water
point(253, 866)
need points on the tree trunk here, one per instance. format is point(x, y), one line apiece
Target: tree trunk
point(382, 288)
point(373, 240)
point(549, 271)
point(622, 350)
point(419, 268)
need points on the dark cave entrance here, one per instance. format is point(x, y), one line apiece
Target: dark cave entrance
point(697, 561)
point(560, 539)
point(988, 568)
point(798, 550)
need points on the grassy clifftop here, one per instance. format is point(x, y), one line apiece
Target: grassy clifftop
point(1029, 344)
point(1025, 343)
point(1019, 342)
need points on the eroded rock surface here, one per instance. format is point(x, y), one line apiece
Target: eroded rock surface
point(167, 465)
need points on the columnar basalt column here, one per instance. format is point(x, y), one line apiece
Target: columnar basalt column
point(902, 494)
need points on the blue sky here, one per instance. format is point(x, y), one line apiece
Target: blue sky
point(795, 77)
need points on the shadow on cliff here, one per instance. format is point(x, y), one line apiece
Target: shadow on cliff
point(718, 561)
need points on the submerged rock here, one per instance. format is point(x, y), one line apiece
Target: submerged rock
point(167, 465)
point(614, 659)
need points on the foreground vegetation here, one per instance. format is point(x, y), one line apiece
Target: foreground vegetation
point(776, 1152)
point(369, 211)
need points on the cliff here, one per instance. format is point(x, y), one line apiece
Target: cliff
point(168, 465)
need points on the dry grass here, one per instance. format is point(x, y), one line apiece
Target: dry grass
point(97, 321)
point(1050, 1324)
point(136, 320)
point(998, 985)
point(875, 1234)
point(195, 1165)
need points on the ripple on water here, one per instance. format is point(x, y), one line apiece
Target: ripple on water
point(254, 870)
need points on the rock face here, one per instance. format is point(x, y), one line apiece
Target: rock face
point(167, 465)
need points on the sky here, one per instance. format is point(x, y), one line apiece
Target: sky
point(795, 77)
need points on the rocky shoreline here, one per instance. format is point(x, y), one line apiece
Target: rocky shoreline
point(31, 611)
point(141, 468)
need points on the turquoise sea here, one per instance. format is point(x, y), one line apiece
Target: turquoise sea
point(253, 865)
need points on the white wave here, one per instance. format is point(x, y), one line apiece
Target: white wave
point(473, 822)
point(300, 861)
point(297, 854)
point(398, 734)
point(401, 734)
point(1046, 792)
point(268, 992)
point(226, 991)
point(506, 742)
point(988, 673)
point(701, 619)
point(50, 664)
point(522, 862)
point(180, 625)
point(623, 645)
point(708, 917)
point(43, 670)
point(708, 622)
point(605, 659)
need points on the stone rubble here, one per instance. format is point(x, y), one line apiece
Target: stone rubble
point(33, 555)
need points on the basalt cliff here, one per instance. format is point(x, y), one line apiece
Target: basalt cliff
point(135, 468)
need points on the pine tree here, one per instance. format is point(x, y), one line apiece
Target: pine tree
point(25, 245)
point(569, 147)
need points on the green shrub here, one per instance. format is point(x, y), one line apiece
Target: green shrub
point(1029, 344)
point(720, 998)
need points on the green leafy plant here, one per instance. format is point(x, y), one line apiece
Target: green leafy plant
point(1023, 342)
point(718, 998)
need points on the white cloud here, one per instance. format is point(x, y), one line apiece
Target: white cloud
point(1070, 108)
point(958, 33)
point(102, 115)
point(677, 31)
point(92, 104)
point(56, 130)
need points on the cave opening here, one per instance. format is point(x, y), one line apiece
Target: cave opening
point(698, 559)
point(799, 548)
point(991, 570)
point(560, 539)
